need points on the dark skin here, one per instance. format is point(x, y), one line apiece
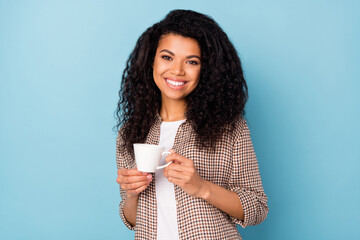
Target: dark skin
point(180, 63)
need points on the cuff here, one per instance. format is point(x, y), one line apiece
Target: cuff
point(248, 206)
point(127, 224)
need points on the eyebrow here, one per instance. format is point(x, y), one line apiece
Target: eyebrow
point(173, 54)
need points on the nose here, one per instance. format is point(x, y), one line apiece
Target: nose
point(178, 68)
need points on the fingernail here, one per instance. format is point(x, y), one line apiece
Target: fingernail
point(149, 177)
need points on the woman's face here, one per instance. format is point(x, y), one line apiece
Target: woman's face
point(176, 68)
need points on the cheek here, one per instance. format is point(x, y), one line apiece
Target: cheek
point(156, 72)
point(159, 68)
point(196, 75)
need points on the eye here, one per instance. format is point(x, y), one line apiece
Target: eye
point(166, 57)
point(193, 62)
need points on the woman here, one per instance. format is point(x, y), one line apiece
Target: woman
point(183, 88)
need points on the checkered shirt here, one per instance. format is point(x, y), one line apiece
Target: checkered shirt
point(233, 165)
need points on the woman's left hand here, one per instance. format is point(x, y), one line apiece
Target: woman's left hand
point(182, 172)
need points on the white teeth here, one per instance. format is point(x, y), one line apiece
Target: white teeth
point(175, 83)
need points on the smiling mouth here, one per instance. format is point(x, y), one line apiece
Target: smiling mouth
point(175, 83)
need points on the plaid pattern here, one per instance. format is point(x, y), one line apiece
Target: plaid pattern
point(233, 166)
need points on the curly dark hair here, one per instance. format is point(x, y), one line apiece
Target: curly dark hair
point(215, 103)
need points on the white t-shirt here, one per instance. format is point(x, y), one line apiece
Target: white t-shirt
point(167, 227)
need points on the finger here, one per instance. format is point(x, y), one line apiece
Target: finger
point(177, 175)
point(179, 158)
point(184, 171)
point(133, 179)
point(133, 186)
point(125, 171)
point(180, 168)
point(132, 172)
point(138, 190)
point(176, 181)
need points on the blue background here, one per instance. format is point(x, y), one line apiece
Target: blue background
point(60, 70)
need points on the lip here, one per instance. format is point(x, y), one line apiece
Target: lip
point(175, 80)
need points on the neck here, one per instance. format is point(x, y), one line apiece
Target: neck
point(171, 111)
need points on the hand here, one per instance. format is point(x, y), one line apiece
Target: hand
point(133, 181)
point(182, 172)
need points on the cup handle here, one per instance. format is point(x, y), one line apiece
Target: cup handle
point(163, 166)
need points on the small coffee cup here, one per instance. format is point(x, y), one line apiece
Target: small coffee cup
point(148, 156)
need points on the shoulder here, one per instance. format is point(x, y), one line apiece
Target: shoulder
point(120, 140)
point(241, 129)
point(240, 125)
point(238, 129)
point(124, 158)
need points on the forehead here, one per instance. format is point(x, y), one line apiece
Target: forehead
point(179, 44)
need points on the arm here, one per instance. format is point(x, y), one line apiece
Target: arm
point(244, 198)
point(182, 173)
point(130, 208)
point(131, 182)
point(245, 178)
point(221, 198)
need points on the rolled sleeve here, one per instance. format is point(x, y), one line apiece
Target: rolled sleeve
point(121, 211)
point(123, 161)
point(255, 210)
point(245, 179)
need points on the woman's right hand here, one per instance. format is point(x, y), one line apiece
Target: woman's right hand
point(133, 181)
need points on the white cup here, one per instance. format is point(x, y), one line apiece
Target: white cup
point(148, 156)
